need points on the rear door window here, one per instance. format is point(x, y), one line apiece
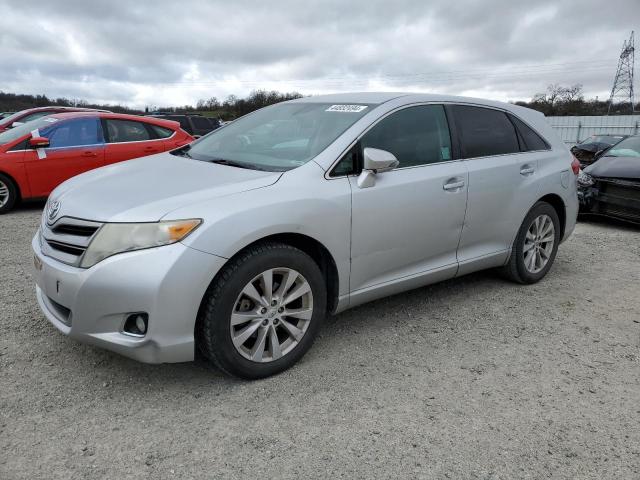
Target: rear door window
point(484, 132)
point(120, 131)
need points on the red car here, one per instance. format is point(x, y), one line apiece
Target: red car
point(30, 114)
point(39, 155)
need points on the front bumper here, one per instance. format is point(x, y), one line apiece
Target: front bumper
point(91, 304)
point(612, 198)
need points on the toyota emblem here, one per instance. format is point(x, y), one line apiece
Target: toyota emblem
point(53, 210)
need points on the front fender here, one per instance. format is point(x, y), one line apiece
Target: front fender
point(303, 204)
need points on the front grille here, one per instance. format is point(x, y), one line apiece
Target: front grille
point(619, 198)
point(63, 247)
point(78, 230)
point(67, 239)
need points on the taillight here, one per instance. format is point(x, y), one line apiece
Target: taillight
point(575, 166)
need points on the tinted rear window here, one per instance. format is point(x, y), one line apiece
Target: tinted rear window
point(484, 132)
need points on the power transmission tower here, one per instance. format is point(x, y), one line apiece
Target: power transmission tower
point(623, 83)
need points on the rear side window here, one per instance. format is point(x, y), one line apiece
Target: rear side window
point(415, 135)
point(161, 132)
point(532, 141)
point(73, 133)
point(485, 132)
point(119, 131)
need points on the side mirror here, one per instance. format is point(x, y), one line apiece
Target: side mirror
point(39, 142)
point(598, 154)
point(375, 161)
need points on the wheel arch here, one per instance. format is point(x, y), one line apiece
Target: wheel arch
point(558, 205)
point(15, 183)
point(312, 247)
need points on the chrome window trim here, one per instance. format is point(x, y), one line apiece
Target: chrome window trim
point(143, 141)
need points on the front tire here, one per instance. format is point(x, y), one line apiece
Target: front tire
point(262, 311)
point(8, 194)
point(536, 245)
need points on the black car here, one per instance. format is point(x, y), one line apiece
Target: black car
point(195, 125)
point(611, 185)
point(588, 150)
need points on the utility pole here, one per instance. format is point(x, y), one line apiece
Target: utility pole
point(623, 83)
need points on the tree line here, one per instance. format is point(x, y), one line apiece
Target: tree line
point(561, 100)
point(230, 108)
point(557, 100)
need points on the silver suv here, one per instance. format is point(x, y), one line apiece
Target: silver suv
point(240, 243)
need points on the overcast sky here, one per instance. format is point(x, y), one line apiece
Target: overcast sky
point(173, 53)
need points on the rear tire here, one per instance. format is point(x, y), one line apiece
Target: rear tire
point(8, 194)
point(533, 253)
point(259, 292)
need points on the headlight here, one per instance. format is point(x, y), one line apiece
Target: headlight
point(584, 179)
point(115, 238)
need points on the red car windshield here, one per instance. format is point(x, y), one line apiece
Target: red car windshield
point(9, 136)
point(10, 119)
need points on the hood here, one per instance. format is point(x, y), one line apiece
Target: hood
point(615, 167)
point(147, 189)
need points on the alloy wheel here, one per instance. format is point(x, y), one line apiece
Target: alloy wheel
point(271, 315)
point(4, 194)
point(538, 243)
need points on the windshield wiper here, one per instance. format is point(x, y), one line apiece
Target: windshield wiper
point(231, 163)
point(182, 151)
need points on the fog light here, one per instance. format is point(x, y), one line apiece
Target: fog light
point(136, 324)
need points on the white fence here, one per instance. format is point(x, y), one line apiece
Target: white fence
point(574, 129)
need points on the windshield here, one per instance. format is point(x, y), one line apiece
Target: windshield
point(10, 119)
point(608, 139)
point(629, 147)
point(9, 136)
point(277, 138)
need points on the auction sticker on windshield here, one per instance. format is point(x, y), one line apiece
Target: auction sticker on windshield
point(346, 108)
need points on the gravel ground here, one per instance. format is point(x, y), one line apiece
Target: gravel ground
point(471, 378)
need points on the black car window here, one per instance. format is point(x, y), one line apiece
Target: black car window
point(24, 145)
point(161, 132)
point(532, 141)
point(201, 123)
point(119, 131)
point(73, 133)
point(182, 120)
point(484, 132)
point(415, 135)
point(348, 164)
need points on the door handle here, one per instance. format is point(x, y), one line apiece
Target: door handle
point(89, 154)
point(453, 185)
point(527, 170)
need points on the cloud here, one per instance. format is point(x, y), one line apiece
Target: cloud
point(172, 53)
